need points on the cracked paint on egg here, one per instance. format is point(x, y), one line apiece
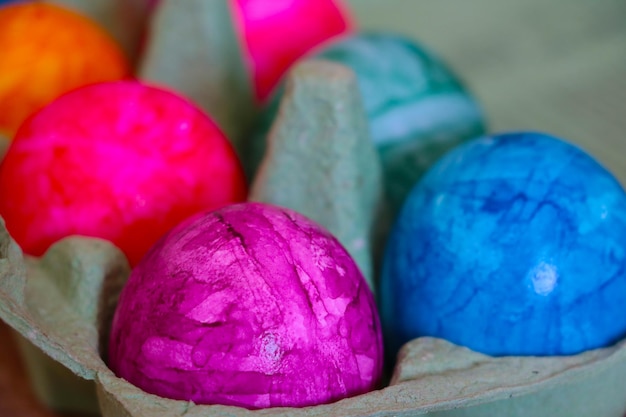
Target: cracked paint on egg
point(250, 305)
point(510, 245)
point(121, 161)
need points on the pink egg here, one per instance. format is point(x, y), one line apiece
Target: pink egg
point(121, 161)
point(279, 32)
point(250, 305)
point(276, 33)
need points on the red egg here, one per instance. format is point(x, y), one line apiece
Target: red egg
point(121, 161)
point(278, 32)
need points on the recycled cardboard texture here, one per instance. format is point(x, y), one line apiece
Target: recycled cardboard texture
point(193, 48)
point(63, 303)
point(436, 376)
point(59, 298)
point(439, 380)
point(320, 160)
point(432, 378)
point(54, 384)
point(12, 283)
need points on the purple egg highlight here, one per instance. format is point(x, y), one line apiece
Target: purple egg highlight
point(251, 305)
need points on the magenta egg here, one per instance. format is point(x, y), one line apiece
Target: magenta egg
point(250, 305)
point(277, 33)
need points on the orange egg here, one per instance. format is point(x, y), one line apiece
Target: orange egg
point(45, 51)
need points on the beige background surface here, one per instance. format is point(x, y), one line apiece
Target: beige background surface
point(557, 66)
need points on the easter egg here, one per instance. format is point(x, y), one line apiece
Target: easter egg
point(277, 32)
point(47, 51)
point(250, 305)
point(513, 244)
point(120, 161)
point(417, 107)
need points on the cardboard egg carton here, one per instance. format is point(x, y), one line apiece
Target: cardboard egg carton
point(61, 304)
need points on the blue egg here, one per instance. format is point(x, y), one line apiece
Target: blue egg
point(416, 106)
point(510, 245)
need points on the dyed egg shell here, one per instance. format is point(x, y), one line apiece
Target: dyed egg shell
point(417, 107)
point(510, 245)
point(120, 161)
point(47, 51)
point(277, 33)
point(251, 305)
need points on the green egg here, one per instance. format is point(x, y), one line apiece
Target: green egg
point(417, 107)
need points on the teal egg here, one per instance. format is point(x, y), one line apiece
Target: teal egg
point(417, 107)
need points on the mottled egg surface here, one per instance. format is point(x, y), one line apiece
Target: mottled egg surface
point(121, 161)
point(45, 51)
point(510, 245)
point(417, 107)
point(250, 305)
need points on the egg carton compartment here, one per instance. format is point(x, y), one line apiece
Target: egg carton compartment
point(77, 283)
point(62, 304)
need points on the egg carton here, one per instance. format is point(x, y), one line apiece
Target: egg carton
point(61, 304)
